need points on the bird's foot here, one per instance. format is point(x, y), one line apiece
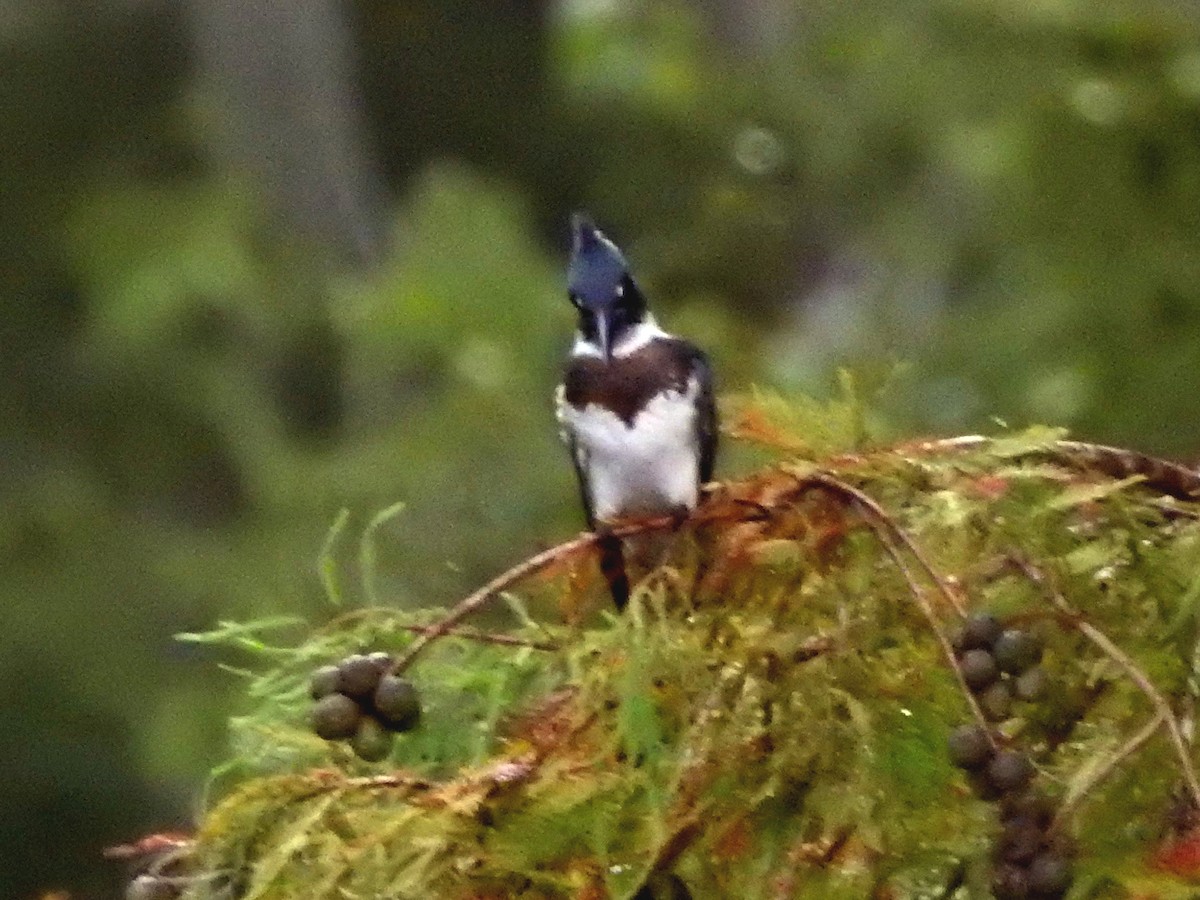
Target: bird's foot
point(670, 519)
point(679, 515)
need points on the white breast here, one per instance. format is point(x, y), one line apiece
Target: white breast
point(645, 468)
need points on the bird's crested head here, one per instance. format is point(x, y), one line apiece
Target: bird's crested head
point(601, 288)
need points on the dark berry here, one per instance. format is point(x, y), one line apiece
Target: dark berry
point(1020, 840)
point(1009, 770)
point(1049, 875)
point(1017, 650)
point(1031, 805)
point(1009, 883)
point(978, 669)
point(979, 632)
point(996, 701)
point(151, 887)
point(982, 786)
point(397, 703)
point(1031, 683)
point(969, 746)
point(324, 682)
point(660, 886)
point(335, 717)
point(371, 741)
point(358, 675)
point(1059, 843)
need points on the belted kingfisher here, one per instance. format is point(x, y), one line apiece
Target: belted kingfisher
point(635, 405)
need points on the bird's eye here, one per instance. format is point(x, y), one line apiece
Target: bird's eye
point(575, 301)
point(620, 291)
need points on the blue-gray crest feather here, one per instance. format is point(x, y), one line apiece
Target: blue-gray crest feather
point(597, 265)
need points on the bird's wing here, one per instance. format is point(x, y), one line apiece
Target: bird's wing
point(585, 493)
point(578, 455)
point(706, 414)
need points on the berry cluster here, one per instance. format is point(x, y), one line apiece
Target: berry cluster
point(999, 664)
point(361, 700)
point(1031, 858)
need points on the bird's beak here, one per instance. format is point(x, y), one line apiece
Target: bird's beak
point(602, 335)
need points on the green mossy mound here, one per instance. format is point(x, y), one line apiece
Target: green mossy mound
point(769, 718)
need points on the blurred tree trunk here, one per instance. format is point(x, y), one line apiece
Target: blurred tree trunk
point(460, 79)
point(285, 73)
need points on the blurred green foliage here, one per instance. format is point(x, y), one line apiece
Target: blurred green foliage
point(1003, 194)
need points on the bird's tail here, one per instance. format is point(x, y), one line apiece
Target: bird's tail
point(612, 567)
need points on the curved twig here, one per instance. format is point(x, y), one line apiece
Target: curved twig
point(519, 572)
point(1130, 747)
point(880, 517)
point(469, 634)
point(1122, 659)
point(484, 637)
point(886, 530)
point(927, 609)
point(1164, 475)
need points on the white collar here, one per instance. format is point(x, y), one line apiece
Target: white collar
point(632, 341)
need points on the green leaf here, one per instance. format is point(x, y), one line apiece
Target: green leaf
point(1030, 442)
point(1079, 494)
point(327, 564)
point(243, 634)
point(366, 550)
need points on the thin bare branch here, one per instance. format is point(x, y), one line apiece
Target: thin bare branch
point(1160, 702)
point(884, 528)
point(388, 613)
point(1164, 475)
point(519, 572)
point(395, 780)
point(1122, 659)
point(484, 637)
point(880, 517)
point(1130, 747)
point(927, 609)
